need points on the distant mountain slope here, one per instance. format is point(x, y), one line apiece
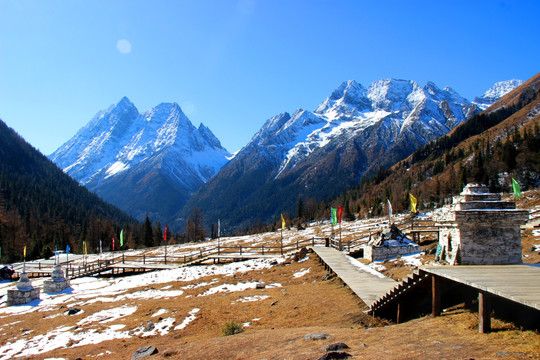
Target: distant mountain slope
point(41, 207)
point(318, 154)
point(147, 163)
point(496, 92)
point(499, 144)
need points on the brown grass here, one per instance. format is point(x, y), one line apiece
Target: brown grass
point(301, 306)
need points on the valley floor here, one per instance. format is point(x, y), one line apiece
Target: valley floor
point(295, 302)
point(182, 313)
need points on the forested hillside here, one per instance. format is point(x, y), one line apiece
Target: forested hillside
point(491, 148)
point(41, 207)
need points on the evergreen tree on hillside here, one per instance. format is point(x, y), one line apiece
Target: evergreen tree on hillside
point(146, 233)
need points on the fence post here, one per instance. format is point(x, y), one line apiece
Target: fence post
point(313, 242)
point(262, 249)
point(297, 245)
point(144, 259)
point(122, 258)
point(165, 257)
point(240, 249)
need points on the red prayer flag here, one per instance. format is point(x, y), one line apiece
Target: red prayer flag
point(112, 244)
point(166, 230)
point(340, 211)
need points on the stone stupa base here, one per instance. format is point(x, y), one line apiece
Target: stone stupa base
point(24, 293)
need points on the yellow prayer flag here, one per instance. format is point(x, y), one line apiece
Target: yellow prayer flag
point(413, 203)
point(85, 252)
point(24, 251)
point(282, 222)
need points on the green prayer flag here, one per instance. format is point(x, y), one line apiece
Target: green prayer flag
point(515, 188)
point(334, 216)
point(122, 237)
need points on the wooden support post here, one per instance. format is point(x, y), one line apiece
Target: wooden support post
point(400, 313)
point(435, 296)
point(262, 250)
point(144, 259)
point(484, 312)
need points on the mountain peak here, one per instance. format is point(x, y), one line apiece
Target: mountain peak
point(124, 101)
point(497, 91)
point(349, 94)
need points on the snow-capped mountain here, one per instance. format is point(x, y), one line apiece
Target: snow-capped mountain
point(316, 154)
point(496, 92)
point(147, 163)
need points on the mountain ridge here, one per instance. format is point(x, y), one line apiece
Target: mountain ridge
point(352, 133)
point(156, 158)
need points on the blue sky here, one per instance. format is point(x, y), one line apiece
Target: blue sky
point(233, 64)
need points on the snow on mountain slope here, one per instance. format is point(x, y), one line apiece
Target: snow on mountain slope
point(352, 109)
point(119, 138)
point(121, 143)
point(496, 92)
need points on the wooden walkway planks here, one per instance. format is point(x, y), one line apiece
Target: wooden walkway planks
point(366, 286)
point(519, 283)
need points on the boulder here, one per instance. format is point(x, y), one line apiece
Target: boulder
point(336, 346)
point(144, 352)
point(316, 336)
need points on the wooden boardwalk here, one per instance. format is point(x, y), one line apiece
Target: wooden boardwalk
point(366, 286)
point(519, 283)
point(500, 289)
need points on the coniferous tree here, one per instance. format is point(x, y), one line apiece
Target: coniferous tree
point(146, 233)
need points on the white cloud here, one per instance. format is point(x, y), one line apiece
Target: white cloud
point(123, 46)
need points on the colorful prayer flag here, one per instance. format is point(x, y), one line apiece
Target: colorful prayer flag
point(340, 211)
point(67, 249)
point(165, 234)
point(84, 246)
point(24, 252)
point(516, 189)
point(389, 207)
point(113, 244)
point(334, 215)
point(282, 222)
point(413, 203)
point(122, 238)
point(218, 228)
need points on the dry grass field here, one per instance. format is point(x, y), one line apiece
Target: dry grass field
point(296, 301)
point(277, 324)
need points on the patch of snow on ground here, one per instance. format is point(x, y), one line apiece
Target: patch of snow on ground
point(230, 288)
point(108, 315)
point(188, 319)
point(413, 259)
point(251, 298)
point(162, 328)
point(160, 312)
point(58, 338)
point(301, 273)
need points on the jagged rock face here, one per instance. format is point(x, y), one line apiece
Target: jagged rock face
point(496, 92)
point(319, 153)
point(147, 163)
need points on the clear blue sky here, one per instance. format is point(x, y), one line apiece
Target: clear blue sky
point(233, 64)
